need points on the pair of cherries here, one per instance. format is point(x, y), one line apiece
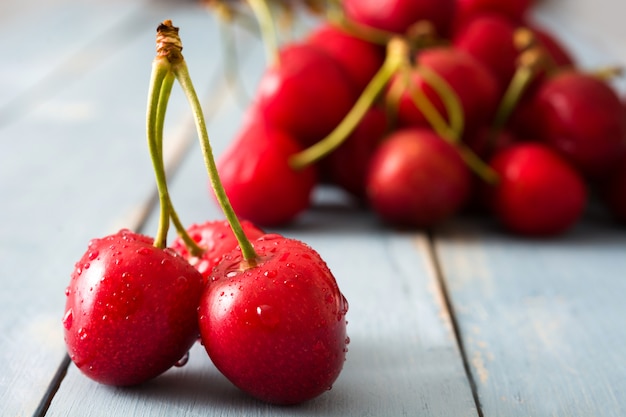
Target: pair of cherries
point(266, 307)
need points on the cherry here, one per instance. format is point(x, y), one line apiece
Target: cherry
point(581, 116)
point(260, 183)
point(489, 38)
point(276, 330)
point(475, 87)
point(398, 16)
point(539, 193)
point(306, 94)
point(417, 178)
point(215, 238)
point(131, 309)
point(360, 58)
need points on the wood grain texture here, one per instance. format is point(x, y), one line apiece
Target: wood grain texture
point(542, 322)
point(76, 168)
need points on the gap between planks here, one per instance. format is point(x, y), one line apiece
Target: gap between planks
point(443, 289)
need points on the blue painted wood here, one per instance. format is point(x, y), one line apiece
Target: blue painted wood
point(75, 168)
point(542, 322)
point(50, 45)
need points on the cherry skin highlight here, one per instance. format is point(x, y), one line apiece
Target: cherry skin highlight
point(539, 193)
point(416, 178)
point(276, 330)
point(131, 309)
point(216, 238)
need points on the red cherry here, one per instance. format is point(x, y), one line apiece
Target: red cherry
point(398, 15)
point(489, 38)
point(306, 94)
point(261, 185)
point(347, 165)
point(475, 86)
point(217, 239)
point(581, 116)
point(276, 330)
point(416, 178)
point(131, 309)
point(359, 58)
point(539, 193)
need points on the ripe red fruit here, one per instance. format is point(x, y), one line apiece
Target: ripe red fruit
point(217, 239)
point(131, 309)
point(489, 38)
point(306, 94)
point(261, 185)
point(581, 117)
point(276, 330)
point(359, 58)
point(416, 178)
point(475, 86)
point(398, 15)
point(539, 193)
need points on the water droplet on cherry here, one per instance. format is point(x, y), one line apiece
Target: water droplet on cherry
point(182, 361)
point(268, 315)
point(68, 319)
point(270, 273)
point(93, 255)
point(143, 251)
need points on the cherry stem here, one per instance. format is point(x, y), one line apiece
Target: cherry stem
point(172, 46)
point(267, 27)
point(430, 112)
point(395, 57)
point(450, 133)
point(530, 62)
point(449, 98)
point(160, 89)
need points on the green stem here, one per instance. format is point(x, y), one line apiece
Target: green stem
point(449, 98)
point(182, 75)
point(265, 20)
point(430, 112)
point(159, 74)
point(162, 81)
point(395, 58)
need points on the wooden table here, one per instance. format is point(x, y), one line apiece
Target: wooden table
point(462, 321)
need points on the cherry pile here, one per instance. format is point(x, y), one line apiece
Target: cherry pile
point(266, 308)
point(426, 109)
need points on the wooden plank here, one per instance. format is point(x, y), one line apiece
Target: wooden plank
point(53, 44)
point(403, 357)
point(542, 322)
point(75, 168)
